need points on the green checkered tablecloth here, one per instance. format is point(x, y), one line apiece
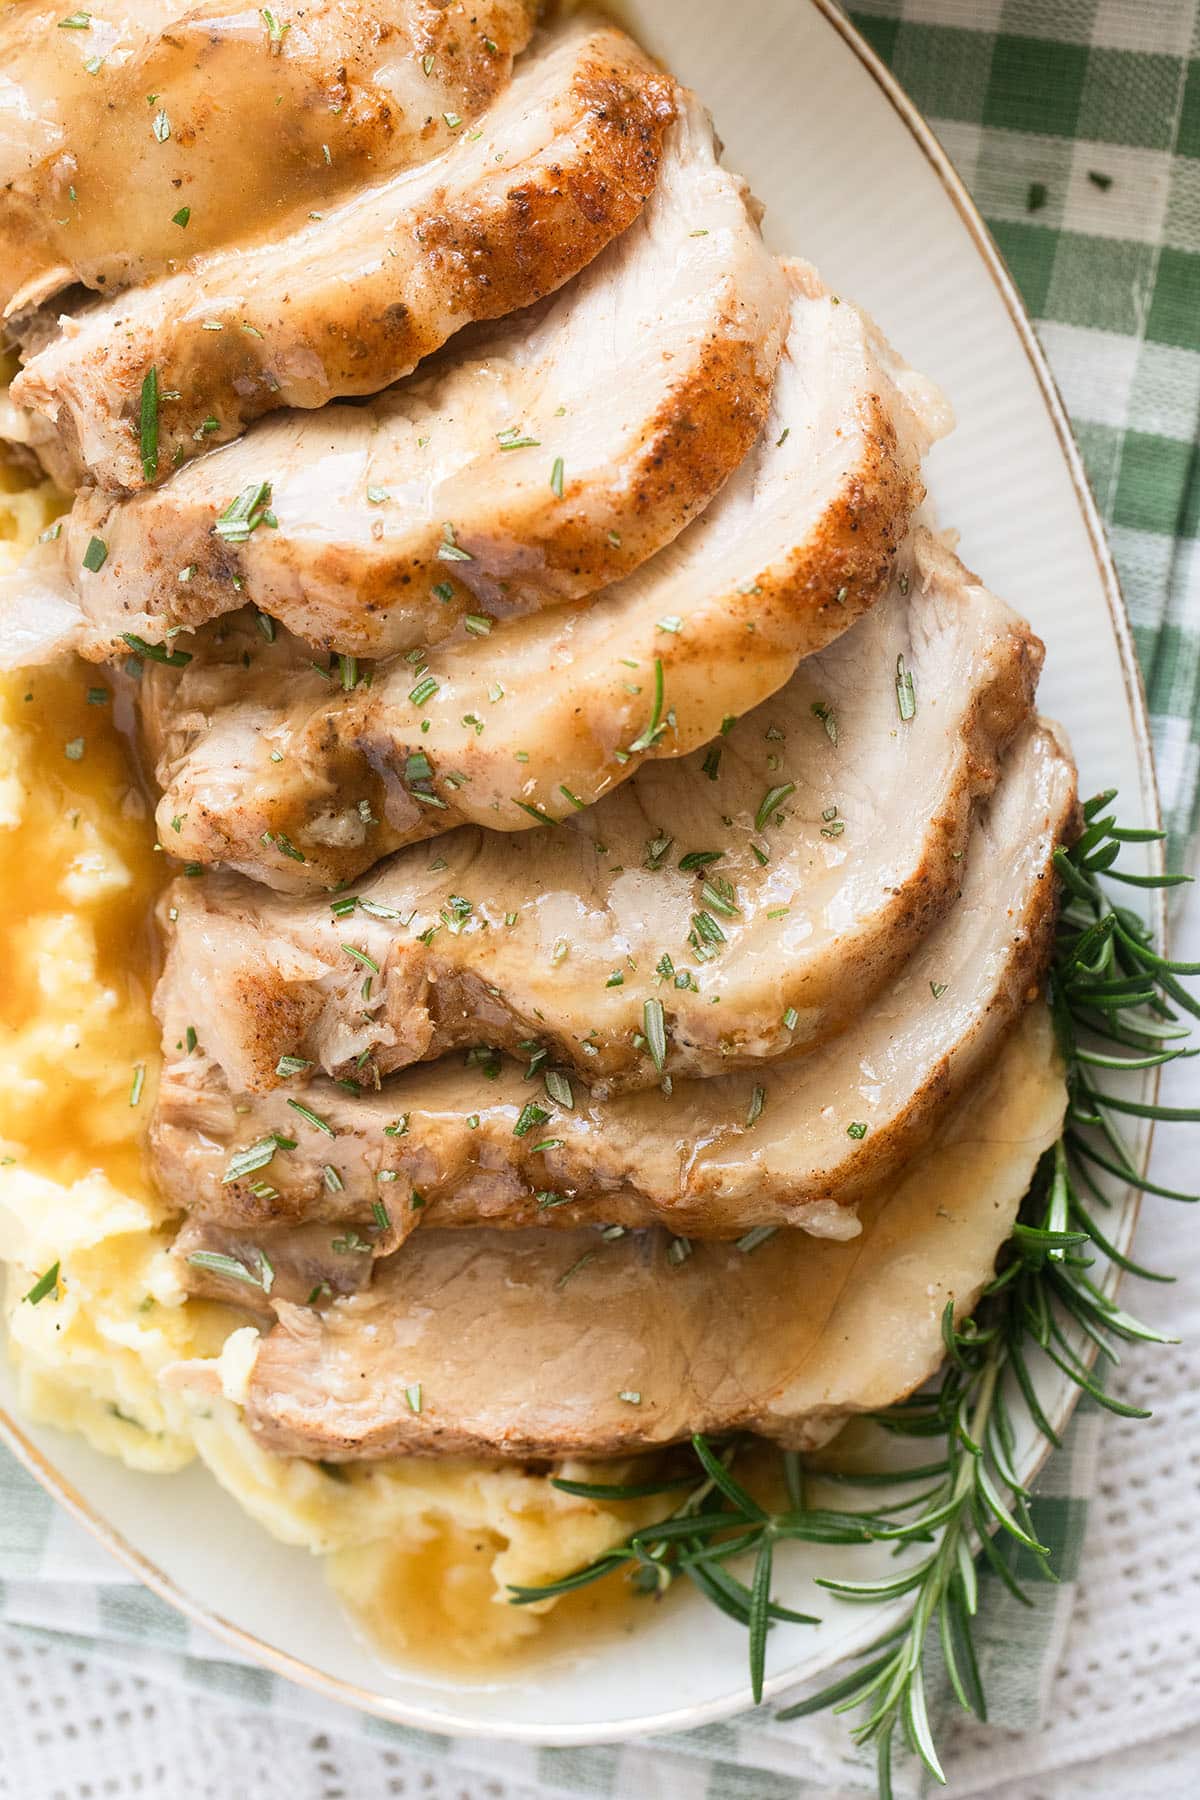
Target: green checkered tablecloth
point(58, 1585)
point(1076, 124)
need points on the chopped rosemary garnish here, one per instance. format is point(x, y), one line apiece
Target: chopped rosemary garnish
point(558, 1087)
point(562, 1280)
point(707, 929)
point(531, 1114)
point(361, 957)
point(655, 1027)
point(654, 730)
point(217, 1263)
point(449, 550)
point(374, 910)
point(255, 1156)
point(751, 1240)
point(516, 439)
point(535, 813)
point(720, 896)
point(906, 698)
point(174, 659)
point(351, 1244)
point(148, 424)
point(44, 1285)
point(284, 845)
point(828, 718)
point(245, 513)
point(314, 1119)
point(771, 801)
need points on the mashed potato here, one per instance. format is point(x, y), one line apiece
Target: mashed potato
point(418, 1549)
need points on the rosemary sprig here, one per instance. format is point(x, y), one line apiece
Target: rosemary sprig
point(716, 1519)
point(1116, 1004)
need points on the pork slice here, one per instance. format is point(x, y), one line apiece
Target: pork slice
point(562, 936)
point(299, 1265)
point(93, 179)
point(797, 1142)
point(353, 300)
point(538, 1343)
point(275, 769)
point(508, 479)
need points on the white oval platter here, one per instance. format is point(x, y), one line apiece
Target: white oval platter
point(853, 180)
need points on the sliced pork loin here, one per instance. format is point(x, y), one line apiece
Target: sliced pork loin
point(509, 479)
point(634, 1346)
point(272, 767)
point(297, 1263)
point(353, 300)
point(255, 119)
point(797, 1142)
point(810, 901)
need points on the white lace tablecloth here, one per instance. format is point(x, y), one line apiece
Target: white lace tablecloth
point(1126, 1708)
